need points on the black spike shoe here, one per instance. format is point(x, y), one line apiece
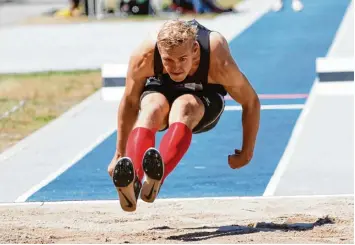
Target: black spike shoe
point(153, 167)
point(127, 184)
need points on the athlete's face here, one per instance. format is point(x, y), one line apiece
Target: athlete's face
point(178, 61)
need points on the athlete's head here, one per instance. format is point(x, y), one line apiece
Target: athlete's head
point(177, 44)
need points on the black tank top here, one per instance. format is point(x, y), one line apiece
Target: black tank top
point(198, 81)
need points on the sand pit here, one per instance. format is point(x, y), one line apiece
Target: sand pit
point(221, 220)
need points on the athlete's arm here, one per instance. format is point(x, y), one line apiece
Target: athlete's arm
point(227, 73)
point(139, 68)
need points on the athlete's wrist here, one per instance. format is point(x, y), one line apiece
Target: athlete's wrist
point(247, 154)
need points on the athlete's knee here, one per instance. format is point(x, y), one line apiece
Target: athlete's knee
point(188, 109)
point(189, 105)
point(154, 111)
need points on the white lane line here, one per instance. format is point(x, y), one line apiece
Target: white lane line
point(268, 107)
point(290, 148)
point(63, 168)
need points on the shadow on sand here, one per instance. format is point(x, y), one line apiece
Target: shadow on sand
point(232, 230)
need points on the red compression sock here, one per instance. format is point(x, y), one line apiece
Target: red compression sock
point(174, 145)
point(139, 140)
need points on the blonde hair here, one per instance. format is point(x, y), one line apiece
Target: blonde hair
point(176, 32)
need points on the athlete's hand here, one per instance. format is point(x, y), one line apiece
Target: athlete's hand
point(238, 159)
point(113, 163)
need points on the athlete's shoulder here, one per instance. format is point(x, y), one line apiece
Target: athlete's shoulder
point(218, 44)
point(221, 60)
point(219, 51)
point(142, 57)
point(145, 48)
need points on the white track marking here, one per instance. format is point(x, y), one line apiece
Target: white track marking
point(268, 107)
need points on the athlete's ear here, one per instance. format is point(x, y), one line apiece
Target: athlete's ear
point(195, 47)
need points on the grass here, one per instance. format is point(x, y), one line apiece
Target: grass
point(46, 95)
point(7, 104)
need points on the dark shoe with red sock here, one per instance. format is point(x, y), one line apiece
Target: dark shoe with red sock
point(127, 184)
point(153, 168)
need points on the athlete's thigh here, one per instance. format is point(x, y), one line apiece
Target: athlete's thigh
point(188, 109)
point(154, 99)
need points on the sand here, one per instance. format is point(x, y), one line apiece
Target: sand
point(219, 220)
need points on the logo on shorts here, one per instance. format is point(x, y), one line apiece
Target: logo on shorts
point(193, 86)
point(207, 100)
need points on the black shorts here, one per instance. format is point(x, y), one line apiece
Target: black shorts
point(213, 102)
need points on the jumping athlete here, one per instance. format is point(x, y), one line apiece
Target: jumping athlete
point(176, 81)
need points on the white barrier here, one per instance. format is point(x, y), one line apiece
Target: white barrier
point(333, 69)
point(113, 81)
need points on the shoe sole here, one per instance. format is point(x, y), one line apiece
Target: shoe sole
point(153, 168)
point(123, 176)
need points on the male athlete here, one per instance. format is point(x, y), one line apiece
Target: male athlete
point(176, 82)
